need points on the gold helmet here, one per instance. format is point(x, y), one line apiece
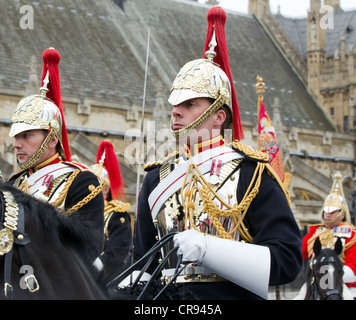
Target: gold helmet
point(333, 202)
point(336, 199)
point(101, 172)
point(43, 111)
point(209, 78)
point(200, 78)
point(35, 112)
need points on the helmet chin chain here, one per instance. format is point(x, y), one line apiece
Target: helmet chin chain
point(333, 220)
point(54, 127)
point(218, 103)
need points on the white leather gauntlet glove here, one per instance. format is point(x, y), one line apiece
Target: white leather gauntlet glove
point(244, 264)
point(191, 246)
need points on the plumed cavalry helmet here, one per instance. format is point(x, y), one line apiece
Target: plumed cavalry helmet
point(209, 77)
point(36, 112)
point(44, 110)
point(336, 199)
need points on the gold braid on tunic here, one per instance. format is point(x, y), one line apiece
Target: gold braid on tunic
point(110, 208)
point(197, 184)
point(93, 193)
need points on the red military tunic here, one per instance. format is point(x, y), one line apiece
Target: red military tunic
point(328, 236)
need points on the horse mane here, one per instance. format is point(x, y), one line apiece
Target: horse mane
point(73, 231)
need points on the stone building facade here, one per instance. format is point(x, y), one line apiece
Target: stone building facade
point(321, 48)
point(103, 47)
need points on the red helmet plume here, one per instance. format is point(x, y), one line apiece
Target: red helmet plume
point(107, 155)
point(216, 21)
point(51, 60)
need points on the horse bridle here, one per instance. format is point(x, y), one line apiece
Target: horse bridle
point(12, 232)
point(314, 283)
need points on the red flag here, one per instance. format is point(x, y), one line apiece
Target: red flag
point(267, 140)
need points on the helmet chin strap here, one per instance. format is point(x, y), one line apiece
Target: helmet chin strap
point(333, 220)
point(218, 103)
point(31, 162)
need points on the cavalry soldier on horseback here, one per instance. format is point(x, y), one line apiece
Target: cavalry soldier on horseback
point(42, 152)
point(235, 228)
point(116, 253)
point(335, 225)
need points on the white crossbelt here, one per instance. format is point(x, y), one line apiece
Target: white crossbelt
point(174, 181)
point(43, 177)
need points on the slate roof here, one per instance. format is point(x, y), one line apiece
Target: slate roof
point(103, 52)
point(296, 30)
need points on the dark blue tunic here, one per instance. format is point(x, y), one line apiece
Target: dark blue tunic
point(269, 220)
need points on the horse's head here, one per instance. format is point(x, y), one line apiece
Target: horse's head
point(327, 271)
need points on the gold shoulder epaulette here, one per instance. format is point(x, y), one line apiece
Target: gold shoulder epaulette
point(250, 152)
point(117, 206)
point(154, 164)
point(263, 159)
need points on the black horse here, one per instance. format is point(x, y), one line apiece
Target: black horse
point(324, 277)
point(43, 262)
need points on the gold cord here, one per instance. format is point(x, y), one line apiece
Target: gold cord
point(60, 199)
point(262, 156)
point(24, 187)
point(207, 195)
point(81, 203)
point(250, 152)
point(198, 185)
